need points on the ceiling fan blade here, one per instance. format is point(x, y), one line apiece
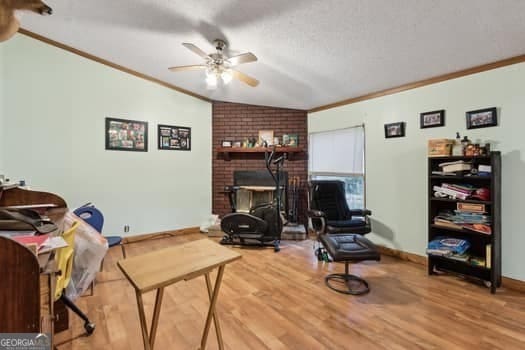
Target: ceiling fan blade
point(186, 68)
point(242, 58)
point(244, 78)
point(196, 50)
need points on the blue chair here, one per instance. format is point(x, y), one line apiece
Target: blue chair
point(95, 219)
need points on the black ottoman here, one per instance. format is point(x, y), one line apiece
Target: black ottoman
point(349, 248)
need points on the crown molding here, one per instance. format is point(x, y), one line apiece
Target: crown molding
point(109, 64)
point(425, 82)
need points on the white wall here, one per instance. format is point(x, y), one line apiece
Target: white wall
point(55, 104)
point(396, 169)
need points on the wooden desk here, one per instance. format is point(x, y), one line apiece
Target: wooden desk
point(164, 267)
point(27, 292)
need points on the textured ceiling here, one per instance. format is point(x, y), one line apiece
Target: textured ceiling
point(311, 52)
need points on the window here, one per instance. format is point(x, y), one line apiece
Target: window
point(340, 155)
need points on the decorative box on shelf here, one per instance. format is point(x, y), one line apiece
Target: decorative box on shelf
point(440, 147)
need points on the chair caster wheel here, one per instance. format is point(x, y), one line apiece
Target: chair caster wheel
point(89, 327)
point(487, 284)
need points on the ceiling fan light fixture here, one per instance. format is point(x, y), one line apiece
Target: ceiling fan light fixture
point(218, 66)
point(226, 76)
point(211, 79)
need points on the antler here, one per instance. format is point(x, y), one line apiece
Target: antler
point(8, 23)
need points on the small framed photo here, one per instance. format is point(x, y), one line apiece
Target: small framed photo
point(432, 119)
point(266, 136)
point(482, 118)
point(236, 144)
point(126, 135)
point(226, 143)
point(176, 138)
point(395, 130)
point(293, 140)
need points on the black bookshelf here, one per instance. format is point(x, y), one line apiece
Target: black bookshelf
point(490, 274)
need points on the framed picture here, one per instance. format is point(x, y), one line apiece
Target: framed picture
point(172, 137)
point(226, 143)
point(236, 144)
point(395, 130)
point(126, 135)
point(293, 140)
point(265, 136)
point(482, 118)
point(432, 119)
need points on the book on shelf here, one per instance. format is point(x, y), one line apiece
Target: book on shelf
point(460, 257)
point(443, 173)
point(488, 256)
point(477, 261)
point(451, 163)
point(463, 188)
point(482, 168)
point(470, 218)
point(455, 166)
point(452, 193)
point(446, 223)
point(438, 252)
point(480, 228)
point(471, 208)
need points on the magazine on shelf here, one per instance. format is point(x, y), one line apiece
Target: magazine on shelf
point(453, 245)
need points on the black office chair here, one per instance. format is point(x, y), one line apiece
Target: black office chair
point(329, 213)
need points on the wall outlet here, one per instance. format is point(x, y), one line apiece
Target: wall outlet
point(126, 228)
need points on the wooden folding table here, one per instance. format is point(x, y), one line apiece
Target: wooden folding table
point(164, 267)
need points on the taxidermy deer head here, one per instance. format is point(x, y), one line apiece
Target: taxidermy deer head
point(9, 24)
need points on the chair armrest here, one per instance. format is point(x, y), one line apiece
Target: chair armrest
point(360, 212)
point(316, 213)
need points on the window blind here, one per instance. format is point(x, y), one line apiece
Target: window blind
point(339, 151)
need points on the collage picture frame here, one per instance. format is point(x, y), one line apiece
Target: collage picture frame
point(174, 138)
point(126, 135)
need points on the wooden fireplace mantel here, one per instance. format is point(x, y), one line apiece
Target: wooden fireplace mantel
point(228, 151)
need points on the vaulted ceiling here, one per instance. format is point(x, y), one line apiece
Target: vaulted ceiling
point(310, 52)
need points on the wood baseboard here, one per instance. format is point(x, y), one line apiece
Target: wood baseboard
point(513, 284)
point(158, 235)
point(418, 259)
point(506, 282)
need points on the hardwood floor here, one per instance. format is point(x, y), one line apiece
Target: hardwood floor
point(279, 301)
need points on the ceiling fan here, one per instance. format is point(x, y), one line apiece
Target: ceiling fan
point(218, 65)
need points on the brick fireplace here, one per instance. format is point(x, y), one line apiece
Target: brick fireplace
point(236, 122)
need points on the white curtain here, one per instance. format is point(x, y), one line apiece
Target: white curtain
point(338, 151)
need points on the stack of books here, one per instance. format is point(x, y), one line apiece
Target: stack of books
point(459, 219)
point(454, 167)
point(449, 247)
point(455, 191)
